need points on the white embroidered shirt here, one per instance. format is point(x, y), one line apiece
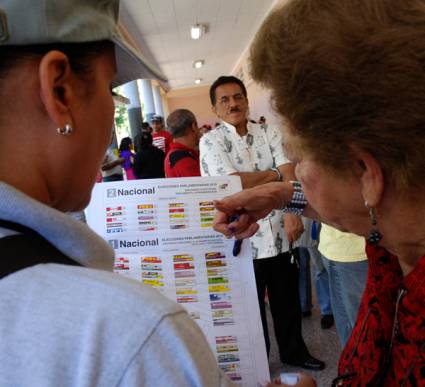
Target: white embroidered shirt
point(223, 152)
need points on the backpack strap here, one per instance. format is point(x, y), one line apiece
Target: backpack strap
point(177, 155)
point(27, 249)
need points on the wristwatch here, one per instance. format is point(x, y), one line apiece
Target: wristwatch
point(279, 175)
point(298, 201)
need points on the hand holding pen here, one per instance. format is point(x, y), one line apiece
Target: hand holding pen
point(237, 245)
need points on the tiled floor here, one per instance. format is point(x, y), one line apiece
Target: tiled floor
point(322, 344)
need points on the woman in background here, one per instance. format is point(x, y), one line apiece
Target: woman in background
point(149, 160)
point(126, 153)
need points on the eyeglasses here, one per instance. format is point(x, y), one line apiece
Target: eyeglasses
point(226, 100)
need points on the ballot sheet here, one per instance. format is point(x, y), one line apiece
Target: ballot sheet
point(161, 230)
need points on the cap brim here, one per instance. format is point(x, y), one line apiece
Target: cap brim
point(132, 65)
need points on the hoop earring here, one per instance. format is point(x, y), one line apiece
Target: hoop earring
point(66, 130)
point(374, 236)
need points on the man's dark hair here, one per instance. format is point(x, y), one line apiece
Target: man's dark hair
point(223, 80)
point(179, 121)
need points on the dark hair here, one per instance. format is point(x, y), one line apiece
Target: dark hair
point(157, 118)
point(125, 144)
point(144, 140)
point(79, 54)
point(179, 121)
point(146, 126)
point(350, 73)
point(223, 80)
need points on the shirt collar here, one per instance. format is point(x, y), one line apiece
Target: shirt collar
point(177, 145)
point(233, 130)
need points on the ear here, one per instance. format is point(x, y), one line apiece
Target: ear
point(56, 87)
point(214, 110)
point(371, 176)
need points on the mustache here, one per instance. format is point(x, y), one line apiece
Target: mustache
point(235, 110)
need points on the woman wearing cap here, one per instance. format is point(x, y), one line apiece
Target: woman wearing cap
point(70, 322)
point(348, 77)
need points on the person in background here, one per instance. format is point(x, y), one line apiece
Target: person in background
point(255, 154)
point(148, 160)
point(182, 160)
point(311, 255)
point(345, 262)
point(112, 167)
point(161, 137)
point(205, 129)
point(66, 319)
point(126, 153)
point(348, 78)
point(144, 128)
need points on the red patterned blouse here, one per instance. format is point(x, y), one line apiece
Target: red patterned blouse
point(387, 345)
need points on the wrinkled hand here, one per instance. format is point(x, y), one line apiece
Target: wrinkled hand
point(251, 205)
point(293, 226)
point(305, 381)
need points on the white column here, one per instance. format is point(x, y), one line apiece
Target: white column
point(134, 110)
point(147, 96)
point(158, 100)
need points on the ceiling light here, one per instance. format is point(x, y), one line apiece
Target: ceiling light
point(198, 81)
point(198, 64)
point(196, 31)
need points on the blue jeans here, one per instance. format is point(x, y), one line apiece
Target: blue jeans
point(347, 281)
point(304, 283)
point(320, 278)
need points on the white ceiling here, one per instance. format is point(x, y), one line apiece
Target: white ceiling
point(162, 29)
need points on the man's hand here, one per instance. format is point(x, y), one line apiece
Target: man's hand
point(251, 205)
point(293, 226)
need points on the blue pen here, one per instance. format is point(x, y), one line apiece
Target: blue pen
point(237, 245)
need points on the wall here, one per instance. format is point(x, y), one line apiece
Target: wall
point(259, 98)
point(196, 99)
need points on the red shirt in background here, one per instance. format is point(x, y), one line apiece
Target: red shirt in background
point(181, 161)
point(162, 140)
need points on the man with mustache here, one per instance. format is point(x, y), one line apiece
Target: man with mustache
point(255, 153)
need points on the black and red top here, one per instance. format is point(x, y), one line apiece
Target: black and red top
point(387, 345)
point(181, 161)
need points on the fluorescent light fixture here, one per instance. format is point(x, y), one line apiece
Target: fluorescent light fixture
point(198, 64)
point(196, 31)
point(198, 81)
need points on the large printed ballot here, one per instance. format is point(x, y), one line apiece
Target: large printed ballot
point(161, 231)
